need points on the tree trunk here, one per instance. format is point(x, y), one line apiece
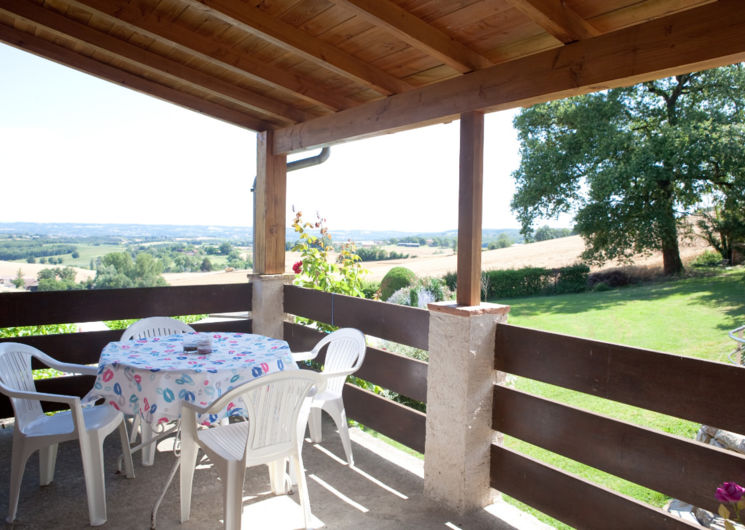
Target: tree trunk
point(671, 262)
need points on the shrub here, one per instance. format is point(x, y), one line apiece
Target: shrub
point(611, 278)
point(531, 281)
point(707, 259)
point(421, 293)
point(370, 289)
point(451, 280)
point(396, 278)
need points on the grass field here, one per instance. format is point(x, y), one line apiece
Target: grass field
point(687, 317)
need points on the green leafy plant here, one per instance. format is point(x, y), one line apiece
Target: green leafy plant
point(317, 270)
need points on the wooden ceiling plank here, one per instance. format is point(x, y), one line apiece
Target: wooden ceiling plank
point(558, 19)
point(67, 57)
point(418, 34)
point(292, 39)
point(158, 64)
point(701, 38)
point(156, 26)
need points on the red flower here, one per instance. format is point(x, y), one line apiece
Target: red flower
point(298, 267)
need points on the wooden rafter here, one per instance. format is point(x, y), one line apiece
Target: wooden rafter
point(700, 38)
point(557, 19)
point(417, 33)
point(296, 41)
point(148, 22)
point(68, 57)
point(155, 63)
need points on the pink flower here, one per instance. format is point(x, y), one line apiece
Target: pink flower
point(730, 492)
point(298, 267)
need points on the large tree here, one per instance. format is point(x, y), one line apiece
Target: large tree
point(633, 163)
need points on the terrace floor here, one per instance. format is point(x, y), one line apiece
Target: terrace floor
point(382, 491)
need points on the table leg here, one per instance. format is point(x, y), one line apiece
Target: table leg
point(149, 442)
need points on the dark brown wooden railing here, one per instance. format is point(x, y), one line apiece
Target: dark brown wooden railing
point(692, 389)
point(62, 307)
point(406, 376)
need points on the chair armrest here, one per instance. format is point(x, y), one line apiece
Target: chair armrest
point(40, 396)
point(304, 356)
point(196, 409)
point(72, 368)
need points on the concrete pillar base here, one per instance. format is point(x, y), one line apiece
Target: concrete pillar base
point(267, 306)
point(460, 379)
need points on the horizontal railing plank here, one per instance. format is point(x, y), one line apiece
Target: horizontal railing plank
point(56, 307)
point(575, 501)
point(397, 323)
point(682, 469)
point(386, 369)
point(403, 424)
point(683, 387)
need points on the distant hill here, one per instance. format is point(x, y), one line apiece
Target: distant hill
point(241, 233)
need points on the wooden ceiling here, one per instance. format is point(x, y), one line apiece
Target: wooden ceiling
point(323, 71)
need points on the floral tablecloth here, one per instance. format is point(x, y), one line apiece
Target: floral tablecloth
point(151, 376)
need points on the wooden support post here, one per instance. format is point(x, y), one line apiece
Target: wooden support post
point(470, 200)
point(269, 207)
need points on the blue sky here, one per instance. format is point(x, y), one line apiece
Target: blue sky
point(79, 149)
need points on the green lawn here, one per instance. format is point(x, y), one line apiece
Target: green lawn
point(688, 317)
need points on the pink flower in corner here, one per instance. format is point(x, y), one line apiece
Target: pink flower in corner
point(730, 492)
point(298, 267)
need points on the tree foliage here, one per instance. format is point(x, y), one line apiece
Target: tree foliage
point(632, 163)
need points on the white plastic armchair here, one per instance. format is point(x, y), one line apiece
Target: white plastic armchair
point(143, 329)
point(276, 405)
point(344, 356)
point(35, 431)
point(155, 327)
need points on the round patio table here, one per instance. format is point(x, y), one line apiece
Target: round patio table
point(150, 377)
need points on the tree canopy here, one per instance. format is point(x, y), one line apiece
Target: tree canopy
point(634, 163)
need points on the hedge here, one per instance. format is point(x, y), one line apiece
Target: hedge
point(530, 281)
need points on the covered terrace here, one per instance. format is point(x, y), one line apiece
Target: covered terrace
point(311, 73)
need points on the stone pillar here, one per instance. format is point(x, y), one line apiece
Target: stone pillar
point(267, 306)
point(460, 379)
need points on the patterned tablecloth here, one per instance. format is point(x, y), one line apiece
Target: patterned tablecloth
point(151, 376)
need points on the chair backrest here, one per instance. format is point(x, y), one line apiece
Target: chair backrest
point(155, 327)
point(275, 404)
point(345, 353)
point(15, 373)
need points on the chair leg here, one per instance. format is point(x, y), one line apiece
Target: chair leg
point(129, 468)
point(302, 488)
point(19, 457)
point(339, 415)
point(314, 423)
point(233, 487)
point(277, 476)
point(189, 452)
point(47, 462)
point(95, 483)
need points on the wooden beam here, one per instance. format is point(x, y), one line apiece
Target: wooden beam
point(290, 38)
point(417, 33)
point(148, 22)
point(152, 62)
point(67, 57)
point(269, 207)
point(470, 200)
point(557, 19)
point(701, 38)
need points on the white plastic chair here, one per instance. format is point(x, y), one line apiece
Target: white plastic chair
point(276, 406)
point(36, 431)
point(155, 327)
point(143, 329)
point(345, 354)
